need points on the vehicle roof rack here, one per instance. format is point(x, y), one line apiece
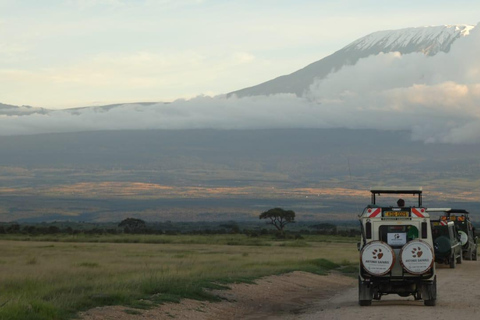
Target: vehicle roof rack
point(462, 211)
point(397, 190)
point(448, 210)
point(438, 209)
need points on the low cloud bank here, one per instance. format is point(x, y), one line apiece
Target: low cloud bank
point(436, 98)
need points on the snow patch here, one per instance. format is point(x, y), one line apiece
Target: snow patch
point(402, 38)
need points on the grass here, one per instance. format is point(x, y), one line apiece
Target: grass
point(217, 239)
point(45, 280)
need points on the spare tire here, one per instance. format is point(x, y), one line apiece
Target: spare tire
point(463, 237)
point(417, 257)
point(377, 258)
point(443, 244)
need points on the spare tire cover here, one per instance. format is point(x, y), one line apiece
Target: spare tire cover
point(463, 237)
point(377, 258)
point(417, 257)
point(442, 245)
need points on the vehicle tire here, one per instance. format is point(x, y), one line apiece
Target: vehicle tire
point(365, 293)
point(365, 303)
point(460, 259)
point(474, 255)
point(468, 255)
point(418, 295)
point(430, 294)
point(453, 263)
point(430, 303)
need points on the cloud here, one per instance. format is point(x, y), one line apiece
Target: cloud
point(436, 98)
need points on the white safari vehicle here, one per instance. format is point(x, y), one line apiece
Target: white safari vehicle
point(396, 250)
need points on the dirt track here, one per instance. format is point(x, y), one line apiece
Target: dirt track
point(306, 296)
point(458, 298)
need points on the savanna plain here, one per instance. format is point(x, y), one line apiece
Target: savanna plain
point(57, 279)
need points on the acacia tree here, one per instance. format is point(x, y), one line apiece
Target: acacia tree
point(132, 225)
point(278, 217)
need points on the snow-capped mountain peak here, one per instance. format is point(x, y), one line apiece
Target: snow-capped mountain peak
point(432, 39)
point(429, 40)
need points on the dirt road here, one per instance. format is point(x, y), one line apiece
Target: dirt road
point(458, 298)
point(306, 296)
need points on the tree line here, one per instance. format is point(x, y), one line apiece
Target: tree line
point(277, 217)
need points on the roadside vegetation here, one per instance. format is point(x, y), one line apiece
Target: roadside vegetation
point(54, 278)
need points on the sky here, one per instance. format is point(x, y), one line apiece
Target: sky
point(61, 54)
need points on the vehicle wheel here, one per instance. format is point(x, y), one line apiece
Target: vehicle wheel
point(418, 295)
point(453, 262)
point(430, 303)
point(459, 259)
point(474, 255)
point(430, 294)
point(365, 293)
point(365, 303)
point(469, 255)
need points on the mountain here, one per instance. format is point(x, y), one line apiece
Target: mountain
point(212, 158)
point(428, 40)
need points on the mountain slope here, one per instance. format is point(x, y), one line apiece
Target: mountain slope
point(428, 40)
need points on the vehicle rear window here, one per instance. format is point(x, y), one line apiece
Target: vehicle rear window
point(397, 236)
point(439, 231)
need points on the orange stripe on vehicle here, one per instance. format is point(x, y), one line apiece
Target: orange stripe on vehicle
point(417, 213)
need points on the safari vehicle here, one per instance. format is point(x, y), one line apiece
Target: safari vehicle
point(396, 250)
point(446, 243)
point(466, 230)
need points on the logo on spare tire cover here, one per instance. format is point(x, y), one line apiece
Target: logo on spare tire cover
point(417, 257)
point(377, 254)
point(377, 258)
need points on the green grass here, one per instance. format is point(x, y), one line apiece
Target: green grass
point(220, 239)
point(45, 280)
